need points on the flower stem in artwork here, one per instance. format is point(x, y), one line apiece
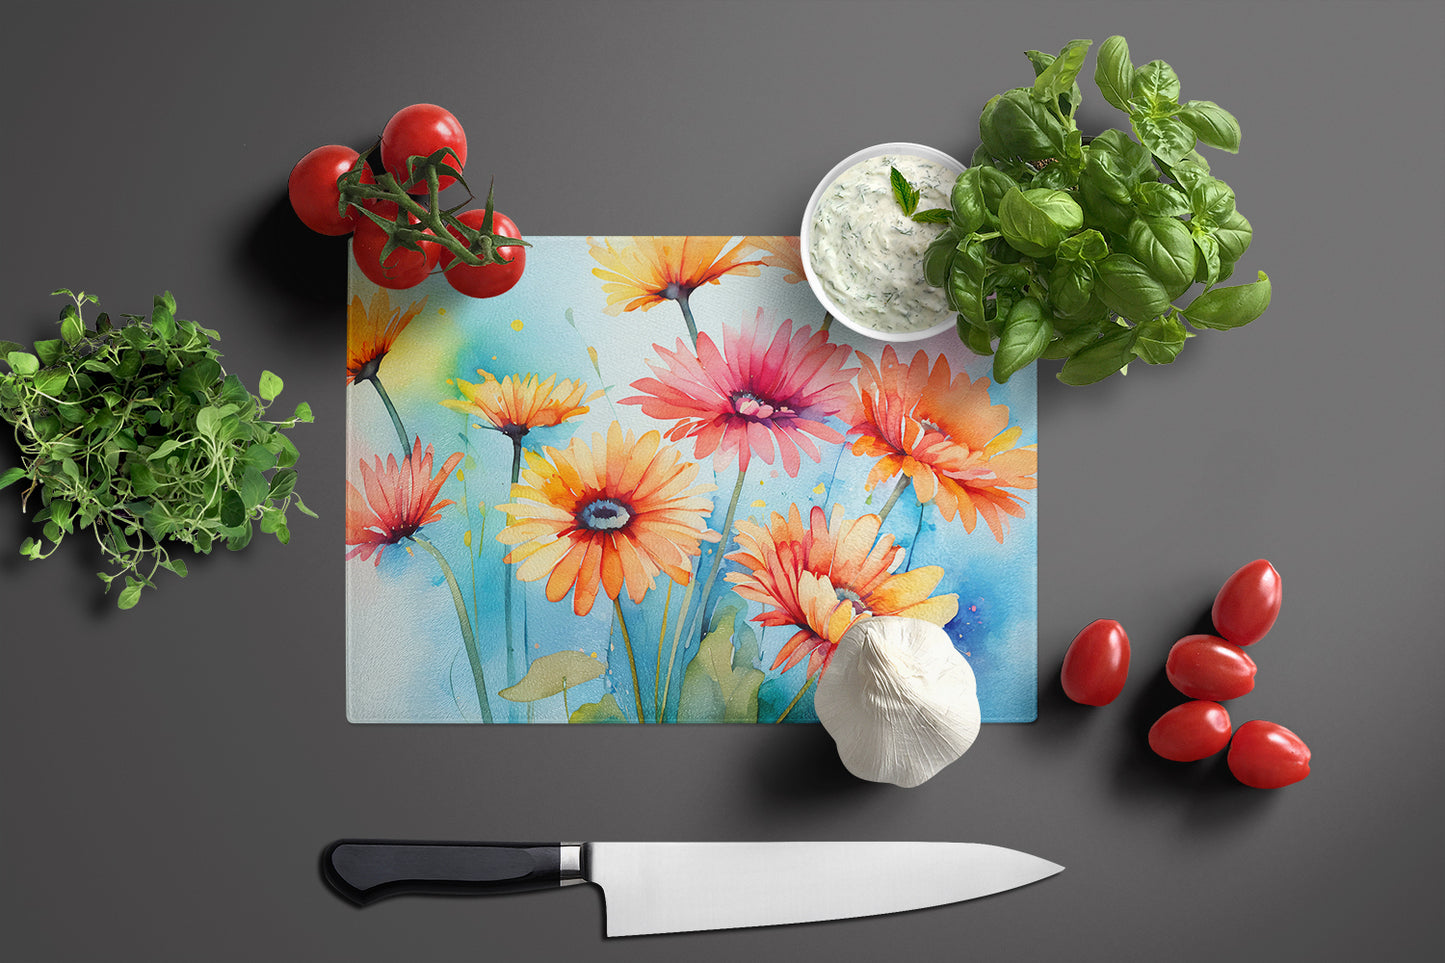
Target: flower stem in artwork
point(687, 317)
point(682, 614)
point(631, 662)
point(468, 640)
point(727, 528)
point(898, 489)
point(515, 670)
point(804, 688)
point(391, 410)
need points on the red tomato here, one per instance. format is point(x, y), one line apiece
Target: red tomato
point(313, 191)
point(403, 268)
point(1205, 667)
point(1248, 604)
point(421, 130)
point(1266, 755)
point(1191, 731)
point(487, 280)
point(1097, 663)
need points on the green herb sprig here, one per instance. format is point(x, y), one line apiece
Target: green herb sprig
point(137, 434)
point(1066, 250)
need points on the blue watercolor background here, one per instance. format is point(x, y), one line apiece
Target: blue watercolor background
point(405, 662)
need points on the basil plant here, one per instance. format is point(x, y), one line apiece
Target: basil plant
point(1078, 251)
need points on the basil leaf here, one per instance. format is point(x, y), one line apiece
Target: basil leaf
point(1165, 247)
point(1128, 288)
point(970, 211)
point(1035, 221)
point(1160, 200)
point(1087, 245)
point(1071, 286)
point(1057, 78)
point(1233, 307)
point(1114, 72)
point(1015, 125)
point(993, 184)
point(966, 283)
point(1168, 139)
point(1156, 87)
point(1099, 359)
point(1209, 260)
point(1025, 335)
point(1070, 342)
point(938, 258)
point(1159, 340)
point(1233, 235)
point(1212, 124)
point(975, 339)
point(1210, 200)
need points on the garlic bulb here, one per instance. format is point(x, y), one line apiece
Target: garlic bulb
point(900, 701)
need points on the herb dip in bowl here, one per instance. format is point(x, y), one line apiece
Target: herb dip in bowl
point(863, 256)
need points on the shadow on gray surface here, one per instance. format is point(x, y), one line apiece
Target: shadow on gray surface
point(294, 260)
point(800, 768)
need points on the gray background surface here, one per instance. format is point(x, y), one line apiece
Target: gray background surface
point(170, 774)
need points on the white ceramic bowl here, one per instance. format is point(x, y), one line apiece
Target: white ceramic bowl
point(947, 320)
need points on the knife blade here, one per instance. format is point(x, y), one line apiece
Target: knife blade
point(661, 887)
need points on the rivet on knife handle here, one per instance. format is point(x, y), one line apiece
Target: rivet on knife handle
point(366, 870)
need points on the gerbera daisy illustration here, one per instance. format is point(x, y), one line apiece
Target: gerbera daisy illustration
point(614, 514)
point(752, 396)
point(516, 404)
point(645, 271)
point(370, 334)
point(943, 435)
point(844, 555)
point(783, 252)
point(399, 501)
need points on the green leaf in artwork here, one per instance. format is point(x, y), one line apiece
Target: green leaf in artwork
point(721, 682)
point(605, 710)
point(552, 674)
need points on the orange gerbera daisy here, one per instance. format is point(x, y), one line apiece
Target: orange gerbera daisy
point(613, 514)
point(797, 570)
point(370, 333)
point(398, 501)
point(945, 435)
point(784, 252)
point(650, 270)
point(518, 403)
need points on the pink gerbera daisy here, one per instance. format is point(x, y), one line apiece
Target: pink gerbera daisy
point(399, 500)
point(752, 396)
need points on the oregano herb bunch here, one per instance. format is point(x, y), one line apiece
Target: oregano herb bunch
point(137, 435)
point(1074, 250)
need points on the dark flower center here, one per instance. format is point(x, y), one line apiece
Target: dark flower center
point(604, 515)
point(750, 405)
point(368, 371)
point(860, 607)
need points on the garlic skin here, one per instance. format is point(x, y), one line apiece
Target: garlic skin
point(899, 700)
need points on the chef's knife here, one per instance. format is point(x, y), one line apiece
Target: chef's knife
point(675, 887)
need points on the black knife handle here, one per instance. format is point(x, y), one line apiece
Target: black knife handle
point(366, 870)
